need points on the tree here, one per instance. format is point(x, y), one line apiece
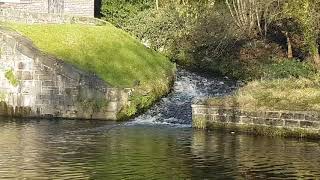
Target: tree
point(253, 16)
point(306, 12)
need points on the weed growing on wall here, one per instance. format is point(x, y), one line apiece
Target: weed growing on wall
point(2, 96)
point(9, 74)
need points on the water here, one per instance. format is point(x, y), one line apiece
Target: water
point(175, 110)
point(157, 145)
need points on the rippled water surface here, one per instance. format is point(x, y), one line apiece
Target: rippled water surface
point(157, 145)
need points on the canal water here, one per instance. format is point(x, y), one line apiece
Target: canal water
point(157, 145)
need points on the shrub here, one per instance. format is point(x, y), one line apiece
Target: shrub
point(120, 11)
point(185, 35)
point(286, 68)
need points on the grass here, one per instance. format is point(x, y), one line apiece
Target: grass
point(295, 94)
point(286, 84)
point(107, 51)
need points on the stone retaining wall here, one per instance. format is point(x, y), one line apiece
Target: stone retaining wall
point(12, 15)
point(70, 7)
point(34, 84)
point(205, 116)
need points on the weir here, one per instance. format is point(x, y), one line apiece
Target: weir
point(175, 109)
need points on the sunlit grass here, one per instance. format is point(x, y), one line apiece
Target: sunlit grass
point(301, 94)
point(106, 51)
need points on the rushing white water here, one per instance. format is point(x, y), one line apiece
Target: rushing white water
point(175, 109)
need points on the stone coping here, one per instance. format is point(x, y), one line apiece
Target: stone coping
point(12, 15)
point(313, 113)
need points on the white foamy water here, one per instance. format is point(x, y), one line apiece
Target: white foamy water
point(175, 110)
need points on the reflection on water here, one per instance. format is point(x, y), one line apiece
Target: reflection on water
point(101, 150)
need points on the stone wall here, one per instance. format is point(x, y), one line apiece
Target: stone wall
point(39, 6)
point(205, 116)
point(34, 84)
point(13, 15)
point(79, 7)
point(69, 7)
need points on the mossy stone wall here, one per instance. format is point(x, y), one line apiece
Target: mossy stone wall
point(283, 123)
point(45, 86)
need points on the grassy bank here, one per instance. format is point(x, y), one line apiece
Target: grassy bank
point(111, 54)
point(293, 94)
point(107, 51)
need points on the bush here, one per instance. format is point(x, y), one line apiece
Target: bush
point(286, 68)
point(185, 33)
point(119, 11)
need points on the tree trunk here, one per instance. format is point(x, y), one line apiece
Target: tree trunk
point(316, 59)
point(290, 54)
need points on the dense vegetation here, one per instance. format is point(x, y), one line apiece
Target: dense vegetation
point(265, 43)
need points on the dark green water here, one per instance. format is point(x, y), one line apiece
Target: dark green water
point(59, 149)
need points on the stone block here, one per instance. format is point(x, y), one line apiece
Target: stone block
point(221, 118)
point(246, 120)
point(299, 116)
point(310, 124)
point(286, 116)
point(221, 111)
point(48, 83)
point(112, 107)
point(258, 121)
point(292, 123)
point(234, 119)
point(44, 77)
point(24, 75)
point(274, 122)
point(272, 114)
point(202, 111)
point(213, 111)
point(112, 95)
point(312, 117)
point(233, 112)
point(250, 113)
point(213, 118)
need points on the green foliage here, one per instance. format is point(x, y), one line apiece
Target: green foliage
point(92, 105)
point(306, 12)
point(287, 68)
point(119, 11)
point(105, 51)
point(184, 32)
point(159, 28)
point(144, 96)
point(10, 76)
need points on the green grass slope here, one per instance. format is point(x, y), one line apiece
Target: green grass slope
point(107, 51)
